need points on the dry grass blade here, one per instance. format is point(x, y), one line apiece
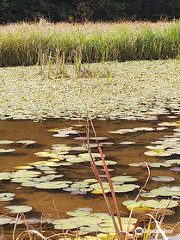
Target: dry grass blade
point(97, 175)
point(109, 180)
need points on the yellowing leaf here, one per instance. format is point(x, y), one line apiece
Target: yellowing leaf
point(99, 191)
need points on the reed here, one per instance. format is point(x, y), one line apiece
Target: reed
point(35, 43)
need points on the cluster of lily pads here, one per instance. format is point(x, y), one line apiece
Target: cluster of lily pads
point(165, 147)
point(168, 145)
point(47, 175)
point(154, 204)
point(37, 179)
point(12, 210)
point(114, 98)
point(86, 222)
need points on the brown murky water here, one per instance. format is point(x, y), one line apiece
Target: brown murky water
point(47, 202)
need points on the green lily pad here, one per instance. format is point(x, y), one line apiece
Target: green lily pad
point(26, 142)
point(123, 131)
point(19, 209)
point(46, 155)
point(76, 160)
point(5, 220)
point(163, 179)
point(61, 147)
point(164, 192)
point(6, 142)
point(78, 213)
point(108, 162)
point(64, 224)
point(173, 161)
point(25, 174)
point(98, 138)
point(24, 167)
point(125, 188)
point(153, 165)
point(97, 186)
point(6, 197)
point(117, 188)
point(5, 176)
point(66, 164)
point(90, 180)
point(127, 143)
point(79, 148)
point(7, 150)
point(147, 129)
point(78, 185)
point(28, 183)
point(123, 179)
point(168, 124)
point(86, 156)
point(52, 185)
point(158, 153)
point(152, 204)
point(157, 165)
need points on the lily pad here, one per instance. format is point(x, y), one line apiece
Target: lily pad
point(78, 213)
point(153, 165)
point(123, 131)
point(26, 142)
point(117, 188)
point(53, 185)
point(123, 179)
point(19, 209)
point(6, 197)
point(24, 167)
point(158, 153)
point(125, 188)
point(127, 143)
point(76, 160)
point(164, 192)
point(5, 176)
point(108, 162)
point(173, 161)
point(5, 220)
point(7, 150)
point(25, 174)
point(6, 142)
point(78, 185)
point(151, 204)
point(163, 179)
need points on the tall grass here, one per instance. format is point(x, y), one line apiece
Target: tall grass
point(29, 44)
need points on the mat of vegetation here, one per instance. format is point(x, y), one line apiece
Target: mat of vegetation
point(28, 44)
point(129, 90)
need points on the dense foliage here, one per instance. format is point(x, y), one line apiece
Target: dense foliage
point(80, 10)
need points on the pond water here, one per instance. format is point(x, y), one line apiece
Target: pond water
point(54, 204)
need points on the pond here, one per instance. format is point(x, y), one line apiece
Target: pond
point(143, 141)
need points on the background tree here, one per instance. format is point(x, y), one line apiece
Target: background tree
point(81, 10)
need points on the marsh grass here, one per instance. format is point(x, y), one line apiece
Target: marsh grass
point(37, 43)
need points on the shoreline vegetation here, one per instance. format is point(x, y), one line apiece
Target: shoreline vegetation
point(44, 42)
